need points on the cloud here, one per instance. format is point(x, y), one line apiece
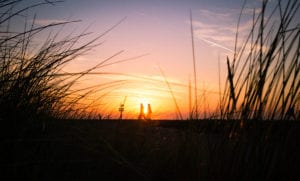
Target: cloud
point(218, 27)
point(216, 44)
point(44, 22)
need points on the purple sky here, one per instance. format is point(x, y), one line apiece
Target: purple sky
point(160, 29)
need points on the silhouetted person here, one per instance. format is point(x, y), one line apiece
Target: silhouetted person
point(142, 113)
point(149, 112)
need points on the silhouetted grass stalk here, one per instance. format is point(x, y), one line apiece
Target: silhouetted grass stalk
point(172, 94)
point(31, 81)
point(264, 83)
point(195, 107)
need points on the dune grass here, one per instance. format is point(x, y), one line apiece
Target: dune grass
point(32, 83)
point(265, 85)
point(263, 77)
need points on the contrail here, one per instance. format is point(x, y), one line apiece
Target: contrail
point(215, 44)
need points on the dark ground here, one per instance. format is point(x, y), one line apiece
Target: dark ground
point(156, 150)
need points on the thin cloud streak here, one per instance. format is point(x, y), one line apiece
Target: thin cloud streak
point(44, 22)
point(218, 27)
point(215, 44)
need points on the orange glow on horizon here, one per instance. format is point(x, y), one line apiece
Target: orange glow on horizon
point(147, 40)
point(160, 100)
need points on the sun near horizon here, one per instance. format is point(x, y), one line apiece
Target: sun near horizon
point(148, 55)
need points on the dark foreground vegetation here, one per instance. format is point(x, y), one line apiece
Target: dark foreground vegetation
point(40, 141)
point(157, 150)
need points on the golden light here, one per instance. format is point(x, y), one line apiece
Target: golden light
point(145, 103)
point(149, 90)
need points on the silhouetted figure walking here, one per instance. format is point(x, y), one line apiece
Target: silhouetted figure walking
point(149, 112)
point(142, 113)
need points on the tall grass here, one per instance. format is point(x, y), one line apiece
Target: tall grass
point(263, 77)
point(32, 83)
point(194, 113)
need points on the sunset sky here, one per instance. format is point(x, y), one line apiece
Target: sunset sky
point(158, 33)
